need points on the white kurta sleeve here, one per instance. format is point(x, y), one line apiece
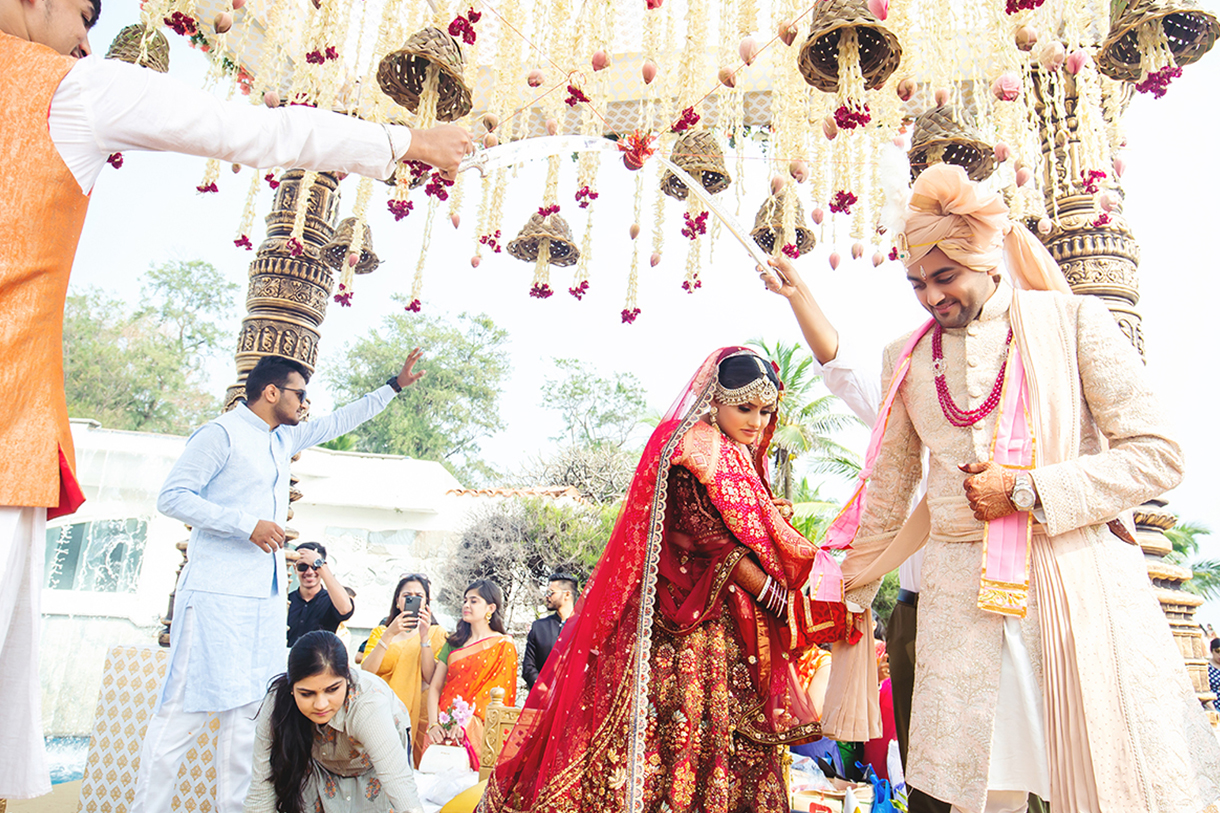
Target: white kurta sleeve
point(856, 384)
point(104, 106)
point(1142, 461)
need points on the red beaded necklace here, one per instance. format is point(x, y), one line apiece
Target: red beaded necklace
point(954, 414)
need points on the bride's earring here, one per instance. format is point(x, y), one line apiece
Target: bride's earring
point(712, 417)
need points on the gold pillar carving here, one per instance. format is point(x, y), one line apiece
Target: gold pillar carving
point(1102, 259)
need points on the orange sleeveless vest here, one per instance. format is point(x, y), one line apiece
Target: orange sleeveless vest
point(42, 212)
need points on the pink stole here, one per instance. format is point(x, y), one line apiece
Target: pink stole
point(1005, 581)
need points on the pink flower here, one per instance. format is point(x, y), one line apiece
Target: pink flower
point(1007, 87)
point(629, 315)
point(115, 159)
point(444, 718)
point(879, 8)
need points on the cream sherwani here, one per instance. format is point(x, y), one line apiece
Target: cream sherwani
point(1123, 731)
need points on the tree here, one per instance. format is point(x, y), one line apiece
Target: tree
point(518, 543)
point(143, 370)
point(596, 411)
point(1185, 539)
point(601, 474)
point(807, 421)
point(455, 405)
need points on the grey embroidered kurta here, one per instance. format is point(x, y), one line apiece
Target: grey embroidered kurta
point(362, 756)
point(1125, 732)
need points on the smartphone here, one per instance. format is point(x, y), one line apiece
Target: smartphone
point(411, 605)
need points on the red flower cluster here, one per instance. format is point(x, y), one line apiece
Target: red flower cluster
point(344, 297)
point(547, 211)
point(1013, 6)
point(893, 255)
point(575, 96)
point(695, 226)
point(1091, 179)
point(843, 201)
point(243, 242)
point(690, 287)
point(115, 159)
point(271, 181)
point(464, 26)
point(849, 118)
point(413, 306)
point(541, 291)
point(629, 314)
point(636, 148)
point(181, 24)
point(295, 249)
point(652, 5)
point(585, 196)
point(207, 187)
point(492, 241)
point(319, 57)
point(1103, 220)
point(688, 119)
point(437, 187)
point(400, 208)
point(580, 290)
point(418, 170)
point(1157, 82)
point(790, 250)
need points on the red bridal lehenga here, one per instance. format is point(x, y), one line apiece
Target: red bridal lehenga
point(671, 689)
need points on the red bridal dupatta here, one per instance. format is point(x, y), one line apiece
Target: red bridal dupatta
point(593, 693)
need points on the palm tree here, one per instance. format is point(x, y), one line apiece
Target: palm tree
point(807, 420)
point(1185, 539)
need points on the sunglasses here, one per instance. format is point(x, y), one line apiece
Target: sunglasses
point(304, 566)
point(300, 394)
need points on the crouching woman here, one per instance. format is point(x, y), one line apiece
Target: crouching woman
point(331, 740)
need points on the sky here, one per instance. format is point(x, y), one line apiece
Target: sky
point(148, 212)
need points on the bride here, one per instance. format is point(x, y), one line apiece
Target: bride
point(673, 686)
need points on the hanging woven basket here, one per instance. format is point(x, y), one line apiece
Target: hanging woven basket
point(880, 51)
point(402, 73)
point(127, 45)
point(1191, 32)
point(769, 222)
point(697, 152)
point(947, 134)
point(336, 251)
point(553, 229)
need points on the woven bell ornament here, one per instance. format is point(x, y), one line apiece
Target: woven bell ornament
point(146, 47)
point(548, 235)
point(1150, 41)
point(947, 134)
point(339, 251)
point(429, 55)
point(847, 52)
point(769, 231)
point(697, 152)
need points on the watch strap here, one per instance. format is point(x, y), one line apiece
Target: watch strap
point(394, 385)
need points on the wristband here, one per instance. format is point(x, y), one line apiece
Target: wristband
point(394, 385)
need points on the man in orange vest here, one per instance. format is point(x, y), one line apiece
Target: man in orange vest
point(65, 112)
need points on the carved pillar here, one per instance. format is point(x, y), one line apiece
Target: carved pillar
point(286, 301)
point(1101, 259)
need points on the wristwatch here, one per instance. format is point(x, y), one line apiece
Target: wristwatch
point(1023, 495)
point(393, 382)
point(317, 563)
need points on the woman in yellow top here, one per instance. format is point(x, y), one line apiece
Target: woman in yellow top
point(402, 652)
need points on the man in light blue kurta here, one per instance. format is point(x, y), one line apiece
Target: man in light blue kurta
point(230, 606)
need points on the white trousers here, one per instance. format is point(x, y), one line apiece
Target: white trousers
point(172, 731)
point(23, 760)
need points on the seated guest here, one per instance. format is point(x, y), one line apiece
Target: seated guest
point(477, 658)
point(329, 740)
point(560, 599)
point(403, 652)
point(320, 602)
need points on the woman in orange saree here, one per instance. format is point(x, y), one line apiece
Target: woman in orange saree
point(477, 658)
point(673, 686)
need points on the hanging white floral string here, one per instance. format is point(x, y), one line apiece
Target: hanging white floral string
point(852, 110)
point(1157, 65)
point(417, 284)
point(631, 308)
point(211, 174)
point(296, 244)
point(247, 215)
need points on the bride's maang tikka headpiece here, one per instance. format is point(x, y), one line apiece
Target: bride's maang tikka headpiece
point(761, 388)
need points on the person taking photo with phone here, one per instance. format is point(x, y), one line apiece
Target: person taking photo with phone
point(402, 652)
point(319, 602)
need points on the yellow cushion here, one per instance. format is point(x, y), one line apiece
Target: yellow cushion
point(467, 800)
